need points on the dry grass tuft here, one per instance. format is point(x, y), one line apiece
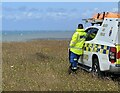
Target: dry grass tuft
point(42, 66)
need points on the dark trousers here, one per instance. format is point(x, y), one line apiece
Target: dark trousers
point(73, 59)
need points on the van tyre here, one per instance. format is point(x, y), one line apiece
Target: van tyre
point(96, 68)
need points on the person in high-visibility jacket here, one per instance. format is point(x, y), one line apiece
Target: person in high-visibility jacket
point(76, 47)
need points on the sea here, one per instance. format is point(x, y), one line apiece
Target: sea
point(23, 36)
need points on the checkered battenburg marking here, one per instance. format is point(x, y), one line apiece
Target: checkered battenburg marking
point(96, 48)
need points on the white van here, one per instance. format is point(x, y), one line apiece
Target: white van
point(102, 51)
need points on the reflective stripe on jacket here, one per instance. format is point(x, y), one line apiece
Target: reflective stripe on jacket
point(77, 42)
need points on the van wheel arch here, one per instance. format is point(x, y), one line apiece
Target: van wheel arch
point(96, 66)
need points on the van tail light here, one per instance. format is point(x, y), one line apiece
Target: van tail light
point(112, 54)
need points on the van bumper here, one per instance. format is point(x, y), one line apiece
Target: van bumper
point(115, 68)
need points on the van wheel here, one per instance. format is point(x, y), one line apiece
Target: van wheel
point(96, 68)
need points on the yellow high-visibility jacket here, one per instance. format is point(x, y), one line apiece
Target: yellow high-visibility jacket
point(77, 42)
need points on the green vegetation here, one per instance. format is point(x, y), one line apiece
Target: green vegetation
point(42, 66)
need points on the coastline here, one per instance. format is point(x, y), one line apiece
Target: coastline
point(39, 39)
point(23, 36)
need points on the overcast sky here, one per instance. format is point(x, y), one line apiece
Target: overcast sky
point(50, 15)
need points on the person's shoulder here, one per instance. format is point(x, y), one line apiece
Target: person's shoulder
point(75, 32)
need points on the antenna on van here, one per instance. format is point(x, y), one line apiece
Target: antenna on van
point(96, 20)
point(103, 15)
point(98, 15)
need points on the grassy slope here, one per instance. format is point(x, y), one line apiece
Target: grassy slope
point(42, 66)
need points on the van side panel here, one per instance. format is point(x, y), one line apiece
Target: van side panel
point(108, 30)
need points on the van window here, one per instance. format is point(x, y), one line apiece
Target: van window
point(91, 33)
